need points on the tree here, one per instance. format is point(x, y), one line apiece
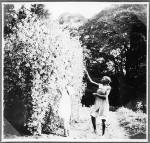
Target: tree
point(22, 13)
point(9, 20)
point(40, 11)
point(71, 22)
point(116, 32)
point(12, 17)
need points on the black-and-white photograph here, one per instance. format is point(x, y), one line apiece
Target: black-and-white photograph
point(75, 71)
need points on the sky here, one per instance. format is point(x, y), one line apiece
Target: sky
point(87, 9)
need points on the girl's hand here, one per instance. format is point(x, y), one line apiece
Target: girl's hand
point(94, 94)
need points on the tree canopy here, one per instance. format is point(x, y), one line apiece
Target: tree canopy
point(71, 22)
point(117, 36)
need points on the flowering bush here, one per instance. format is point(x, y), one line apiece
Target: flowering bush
point(42, 56)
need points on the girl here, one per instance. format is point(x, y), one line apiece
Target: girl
point(101, 105)
point(64, 110)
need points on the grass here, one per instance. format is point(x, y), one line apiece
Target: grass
point(133, 122)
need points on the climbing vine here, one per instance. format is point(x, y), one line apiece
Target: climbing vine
point(41, 56)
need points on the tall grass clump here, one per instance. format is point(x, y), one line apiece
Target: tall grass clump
point(39, 57)
point(133, 122)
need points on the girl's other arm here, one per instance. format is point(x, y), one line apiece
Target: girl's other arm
point(104, 95)
point(101, 96)
point(108, 91)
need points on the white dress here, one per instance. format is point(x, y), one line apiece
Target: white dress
point(101, 106)
point(64, 110)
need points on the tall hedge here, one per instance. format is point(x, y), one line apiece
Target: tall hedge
point(38, 58)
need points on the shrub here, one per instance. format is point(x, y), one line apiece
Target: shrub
point(39, 57)
point(133, 122)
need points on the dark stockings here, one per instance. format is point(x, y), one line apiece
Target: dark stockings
point(93, 122)
point(103, 126)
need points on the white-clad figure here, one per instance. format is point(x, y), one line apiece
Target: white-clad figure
point(65, 107)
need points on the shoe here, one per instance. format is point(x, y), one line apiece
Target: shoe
point(95, 132)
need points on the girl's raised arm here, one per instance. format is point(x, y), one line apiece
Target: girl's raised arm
point(91, 79)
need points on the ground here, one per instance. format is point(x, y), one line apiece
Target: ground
point(84, 130)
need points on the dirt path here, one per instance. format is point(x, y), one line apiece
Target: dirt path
point(84, 130)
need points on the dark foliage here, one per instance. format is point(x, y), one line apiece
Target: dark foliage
point(116, 43)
